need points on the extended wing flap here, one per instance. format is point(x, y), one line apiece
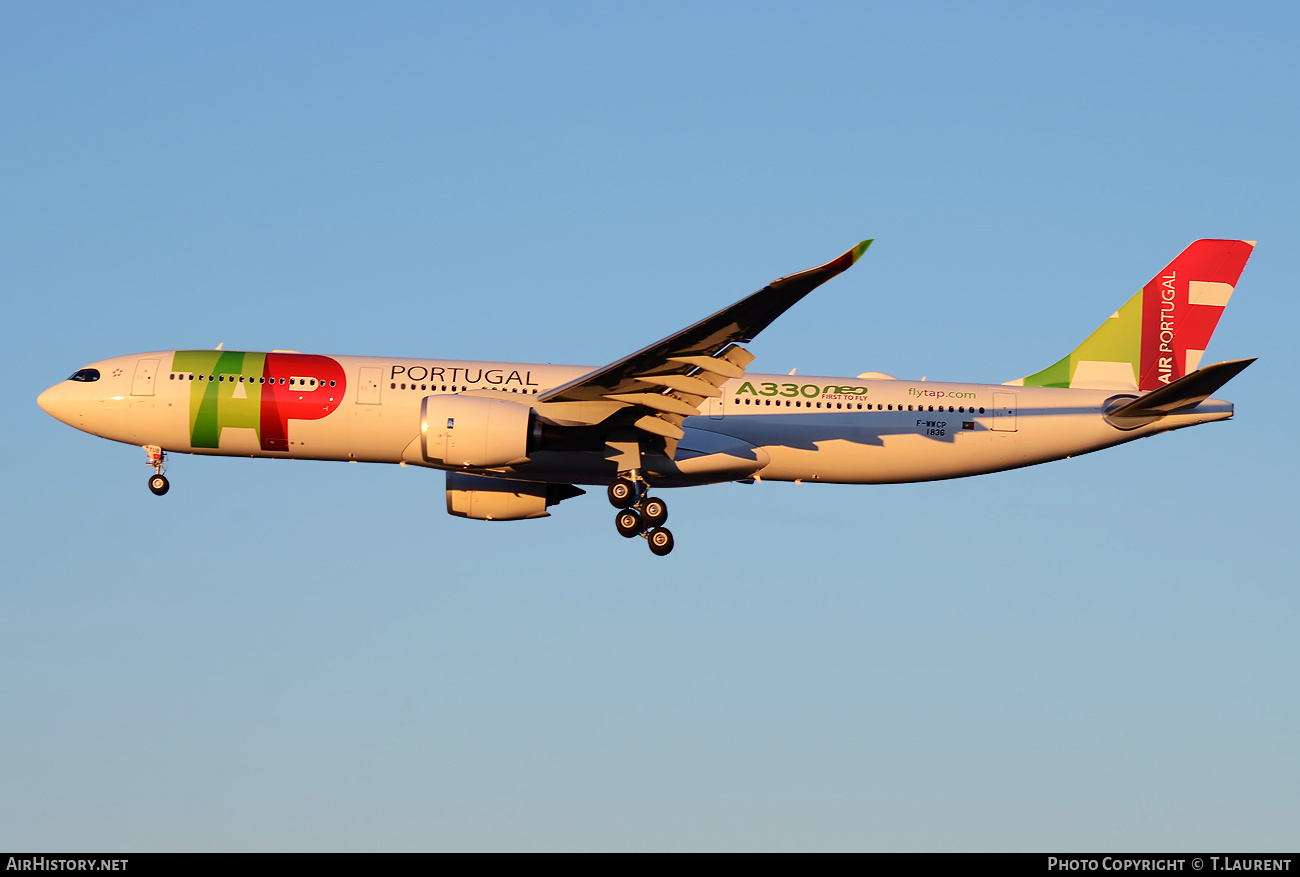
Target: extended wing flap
point(658, 402)
point(668, 428)
point(718, 366)
point(684, 384)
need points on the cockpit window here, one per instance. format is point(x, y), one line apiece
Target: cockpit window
point(85, 374)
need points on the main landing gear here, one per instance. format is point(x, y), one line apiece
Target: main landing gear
point(640, 514)
point(158, 460)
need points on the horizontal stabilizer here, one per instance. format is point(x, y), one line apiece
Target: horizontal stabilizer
point(1186, 392)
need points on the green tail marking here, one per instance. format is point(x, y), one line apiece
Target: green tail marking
point(1119, 339)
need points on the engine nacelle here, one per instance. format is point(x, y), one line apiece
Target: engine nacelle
point(500, 499)
point(473, 431)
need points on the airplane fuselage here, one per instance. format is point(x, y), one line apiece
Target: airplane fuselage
point(771, 427)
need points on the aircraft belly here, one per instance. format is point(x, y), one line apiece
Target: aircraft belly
point(357, 432)
point(917, 448)
point(887, 459)
point(239, 441)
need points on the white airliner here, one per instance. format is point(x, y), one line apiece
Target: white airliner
point(515, 438)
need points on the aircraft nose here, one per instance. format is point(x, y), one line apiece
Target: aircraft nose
point(46, 400)
point(56, 402)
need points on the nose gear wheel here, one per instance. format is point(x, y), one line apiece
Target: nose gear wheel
point(157, 458)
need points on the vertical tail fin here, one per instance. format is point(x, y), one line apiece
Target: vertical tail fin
point(1158, 336)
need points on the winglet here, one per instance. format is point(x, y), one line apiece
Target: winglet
point(844, 262)
point(835, 266)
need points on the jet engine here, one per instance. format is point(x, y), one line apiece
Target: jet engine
point(500, 499)
point(476, 432)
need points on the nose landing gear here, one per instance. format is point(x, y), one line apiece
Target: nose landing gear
point(158, 483)
point(639, 513)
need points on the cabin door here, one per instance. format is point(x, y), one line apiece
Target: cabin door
point(369, 384)
point(145, 372)
point(1004, 412)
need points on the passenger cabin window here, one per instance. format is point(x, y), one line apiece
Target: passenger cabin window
point(85, 375)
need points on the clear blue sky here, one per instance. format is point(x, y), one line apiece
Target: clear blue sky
point(1094, 654)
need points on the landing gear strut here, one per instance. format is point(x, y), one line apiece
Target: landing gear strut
point(639, 513)
point(158, 484)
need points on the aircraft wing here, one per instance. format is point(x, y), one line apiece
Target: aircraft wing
point(666, 382)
